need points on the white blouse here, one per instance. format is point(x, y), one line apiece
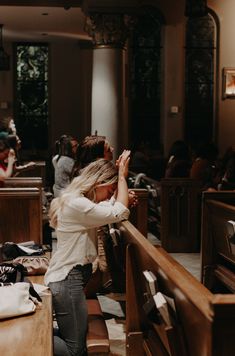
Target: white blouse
point(76, 233)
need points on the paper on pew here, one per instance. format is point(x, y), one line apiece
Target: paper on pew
point(162, 307)
point(152, 281)
point(27, 249)
point(40, 289)
point(26, 243)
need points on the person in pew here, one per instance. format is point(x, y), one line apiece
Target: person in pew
point(8, 131)
point(228, 180)
point(63, 163)
point(7, 160)
point(7, 126)
point(204, 167)
point(82, 207)
point(179, 160)
point(91, 148)
point(15, 144)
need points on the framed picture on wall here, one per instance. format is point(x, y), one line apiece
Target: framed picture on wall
point(228, 83)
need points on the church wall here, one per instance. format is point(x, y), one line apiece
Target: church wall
point(226, 108)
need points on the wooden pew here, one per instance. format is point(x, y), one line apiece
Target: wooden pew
point(39, 170)
point(217, 252)
point(31, 334)
point(23, 182)
point(21, 215)
point(139, 214)
point(203, 324)
point(180, 214)
point(152, 187)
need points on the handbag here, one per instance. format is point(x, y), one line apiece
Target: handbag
point(14, 273)
point(15, 300)
point(35, 265)
point(11, 250)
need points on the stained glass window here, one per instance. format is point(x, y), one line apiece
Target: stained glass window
point(146, 77)
point(200, 76)
point(31, 96)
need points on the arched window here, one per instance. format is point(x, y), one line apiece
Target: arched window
point(146, 77)
point(200, 79)
point(31, 97)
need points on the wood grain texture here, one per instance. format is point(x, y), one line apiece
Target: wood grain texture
point(203, 321)
point(29, 335)
point(21, 215)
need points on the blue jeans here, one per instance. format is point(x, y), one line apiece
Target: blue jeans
point(69, 303)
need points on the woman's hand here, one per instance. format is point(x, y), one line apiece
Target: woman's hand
point(132, 199)
point(123, 163)
point(11, 157)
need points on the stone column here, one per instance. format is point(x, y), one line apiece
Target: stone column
point(109, 33)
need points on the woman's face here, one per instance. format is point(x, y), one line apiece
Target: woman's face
point(105, 192)
point(12, 127)
point(108, 151)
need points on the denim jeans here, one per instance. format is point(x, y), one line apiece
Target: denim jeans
point(69, 303)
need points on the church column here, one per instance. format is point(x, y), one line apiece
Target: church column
point(109, 33)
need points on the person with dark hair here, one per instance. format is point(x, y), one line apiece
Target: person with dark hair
point(204, 167)
point(179, 160)
point(81, 208)
point(93, 147)
point(227, 181)
point(7, 125)
point(63, 163)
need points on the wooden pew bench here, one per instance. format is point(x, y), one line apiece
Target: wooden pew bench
point(23, 182)
point(29, 335)
point(97, 337)
point(139, 214)
point(180, 214)
point(217, 252)
point(21, 215)
point(32, 334)
point(202, 324)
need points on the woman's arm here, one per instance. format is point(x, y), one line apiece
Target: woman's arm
point(10, 165)
point(122, 189)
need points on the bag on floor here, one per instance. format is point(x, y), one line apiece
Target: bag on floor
point(15, 300)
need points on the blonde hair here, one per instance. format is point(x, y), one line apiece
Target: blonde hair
point(99, 172)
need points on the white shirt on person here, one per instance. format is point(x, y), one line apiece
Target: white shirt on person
point(76, 233)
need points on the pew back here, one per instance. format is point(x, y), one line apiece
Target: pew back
point(217, 249)
point(21, 215)
point(139, 214)
point(39, 170)
point(21, 182)
point(180, 214)
point(200, 316)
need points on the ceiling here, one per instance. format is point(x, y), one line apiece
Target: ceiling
point(42, 23)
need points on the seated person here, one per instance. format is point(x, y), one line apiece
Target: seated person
point(228, 180)
point(204, 167)
point(63, 163)
point(7, 160)
point(179, 161)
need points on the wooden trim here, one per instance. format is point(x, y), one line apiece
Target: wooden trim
point(39, 3)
